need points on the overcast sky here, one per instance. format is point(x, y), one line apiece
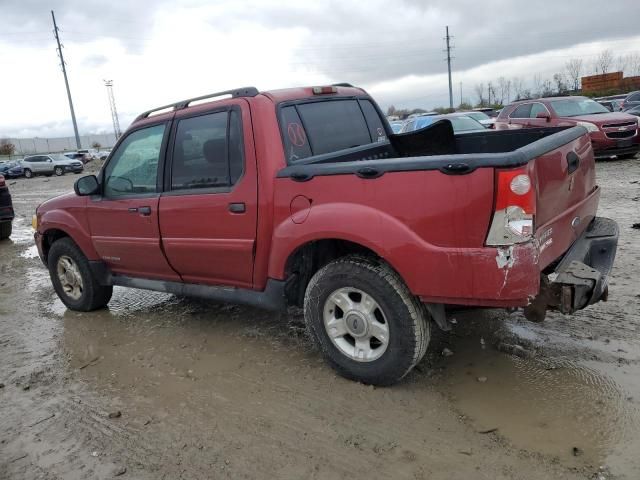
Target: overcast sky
point(157, 52)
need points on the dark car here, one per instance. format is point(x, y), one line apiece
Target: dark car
point(6, 210)
point(632, 100)
point(11, 169)
point(613, 105)
point(634, 111)
point(461, 123)
point(612, 133)
point(83, 156)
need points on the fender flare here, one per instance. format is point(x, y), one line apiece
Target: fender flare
point(67, 223)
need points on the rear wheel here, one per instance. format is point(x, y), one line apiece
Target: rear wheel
point(58, 171)
point(366, 322)
point(72, 278)
point(28, 173)
point(5, 229)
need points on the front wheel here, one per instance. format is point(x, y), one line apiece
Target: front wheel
point(58, 171)
point(366, 322)
point(72, 278)
point(5, 229)
point(28, 173)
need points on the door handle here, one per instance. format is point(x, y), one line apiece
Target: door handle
point(145, 211)
point(237, 207)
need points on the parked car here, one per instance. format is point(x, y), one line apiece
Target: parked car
point(612, 133)
point(461, 123)
point(303, 196)
point(11, 169)
point(631, 100)
point(6, 210)
point(612, 105)
point(481, 117)
point(53, 163)
point(396, 125)
point(80, 155)
point(490, 112)
point(634, 111)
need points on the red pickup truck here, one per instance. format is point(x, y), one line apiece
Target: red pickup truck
point(305, 196)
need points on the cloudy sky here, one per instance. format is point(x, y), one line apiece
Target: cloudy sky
point(157, 51)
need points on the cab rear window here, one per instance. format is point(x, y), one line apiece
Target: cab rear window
point(320, 127)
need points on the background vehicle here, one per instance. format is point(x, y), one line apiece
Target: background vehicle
point(83, 156)
point(11, 169)
point(396, 125)
point(304, 196)
point(634, 111)
point(53, 163)
point(481, 117)
point(612, 133)
point(612, 105)
point(491, 112)
point(461, 123)
point(6, 210)
point(631, 100)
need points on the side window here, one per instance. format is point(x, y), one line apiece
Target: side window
point(634, 98)
point(208, 151)
point(376, 129)
point(133, 168)
point(537, 108)
point(521, 111)
point(295, 139)
point(334, 125)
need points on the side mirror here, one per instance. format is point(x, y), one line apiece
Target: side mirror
point(544, 115)
point(86, 186)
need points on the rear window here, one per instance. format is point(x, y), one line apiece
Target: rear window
point(322, 127)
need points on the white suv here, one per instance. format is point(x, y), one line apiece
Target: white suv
point(53, 163)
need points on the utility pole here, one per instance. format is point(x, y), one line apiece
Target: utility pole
point(460, 93)
point(66, 81)
point(114, 112)
point(448, 38)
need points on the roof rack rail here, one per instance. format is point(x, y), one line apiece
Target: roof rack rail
point(343, 84)
point(238, 92)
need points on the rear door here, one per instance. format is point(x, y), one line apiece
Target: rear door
point(209, 210)
point(124, 219)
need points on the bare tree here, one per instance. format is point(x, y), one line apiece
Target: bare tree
point(518, 87)
point(503, 90)
point(479, 89)
point(491, 92)
point(537, 85)
point(622, 63)
point(6, 147)
point(559, 80)
point(604, 61)
point(574, 71)
point(633, 64)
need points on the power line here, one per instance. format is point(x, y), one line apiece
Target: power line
point(449, 47)
point(66, 81)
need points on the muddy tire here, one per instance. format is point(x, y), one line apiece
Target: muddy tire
point(59, 171)
point(5, 230)
point(28, 173)
point(72, 278)
point(365, 321)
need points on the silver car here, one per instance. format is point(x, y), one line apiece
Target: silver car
point(50, 164)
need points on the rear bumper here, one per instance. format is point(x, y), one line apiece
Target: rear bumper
point(580, 278)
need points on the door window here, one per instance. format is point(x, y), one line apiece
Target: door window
point(537, 108)
point(208, 151)
point(133, 168)
point(522, 111)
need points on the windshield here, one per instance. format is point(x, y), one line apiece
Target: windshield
point(396, 126)
point(464, 124)
point(58, 157)
point(478, 115)
point(574, 108)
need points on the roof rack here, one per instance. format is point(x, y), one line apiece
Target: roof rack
point(235, 93)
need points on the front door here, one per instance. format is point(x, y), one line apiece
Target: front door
point(124, 219)
point(208, 212)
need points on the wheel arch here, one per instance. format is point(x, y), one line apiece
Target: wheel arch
point(58, 224)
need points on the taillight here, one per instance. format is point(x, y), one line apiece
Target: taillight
point(515, 208)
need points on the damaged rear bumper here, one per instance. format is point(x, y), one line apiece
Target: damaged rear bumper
point(580, 278)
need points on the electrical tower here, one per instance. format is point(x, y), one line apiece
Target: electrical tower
point(114, 112)
point(449, 47)
point(66, 81)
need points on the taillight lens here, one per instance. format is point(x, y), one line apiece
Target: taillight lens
point(515, 208)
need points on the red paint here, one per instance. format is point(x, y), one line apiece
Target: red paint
point(431, 227)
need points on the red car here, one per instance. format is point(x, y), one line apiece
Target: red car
point(612, 133)
point(304, 196)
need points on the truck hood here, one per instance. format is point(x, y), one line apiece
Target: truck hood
point(604, 118)
point(61, 201)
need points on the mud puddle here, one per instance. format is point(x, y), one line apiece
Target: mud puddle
point(584, 413)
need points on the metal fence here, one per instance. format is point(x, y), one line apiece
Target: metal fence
point(30, 146)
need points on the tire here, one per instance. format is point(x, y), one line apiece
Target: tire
point(405, 317)
point(28, 173)
point(5, 230)
point(91, 295)
point(59, 171)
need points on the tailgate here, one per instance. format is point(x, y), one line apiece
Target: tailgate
point(567, 197)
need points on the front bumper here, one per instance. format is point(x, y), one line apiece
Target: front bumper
point(604, 147)
point(580, 278)
point(74, 168)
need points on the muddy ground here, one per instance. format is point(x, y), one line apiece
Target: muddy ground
point(202, 390)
